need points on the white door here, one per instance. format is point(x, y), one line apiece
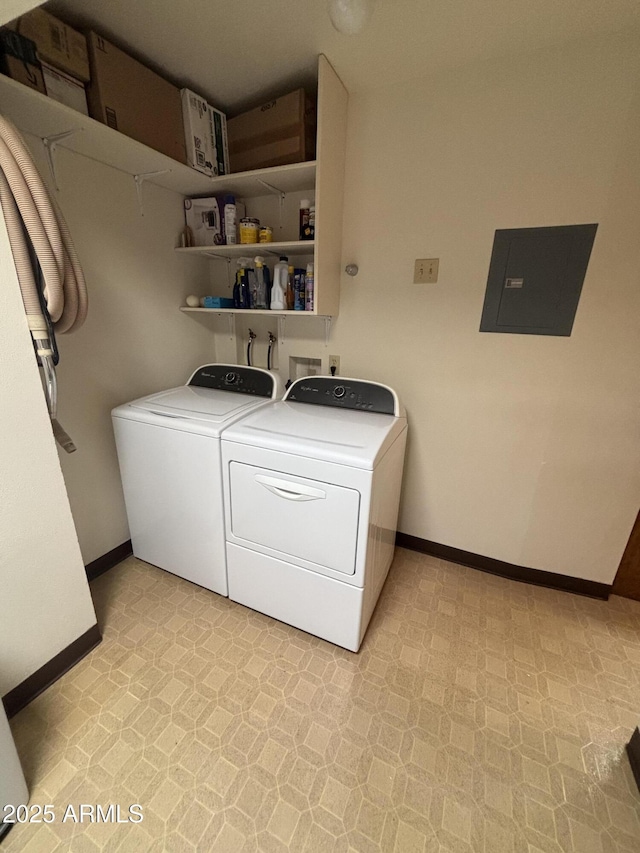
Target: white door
point(296, 516)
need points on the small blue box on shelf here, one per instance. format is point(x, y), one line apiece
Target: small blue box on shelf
point(218, 302)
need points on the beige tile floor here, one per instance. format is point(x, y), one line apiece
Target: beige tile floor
point(480, 715)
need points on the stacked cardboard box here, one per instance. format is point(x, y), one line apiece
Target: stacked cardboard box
point(57, 43)
point(61, 58)
point(131, 98)
point(276, 133)
point(205, 132)
point(19, 60)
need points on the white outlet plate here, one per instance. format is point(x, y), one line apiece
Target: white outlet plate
point(425, 270)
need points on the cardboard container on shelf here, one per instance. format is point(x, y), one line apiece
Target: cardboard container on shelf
point(65, 89)
point(129, 97)
point(207, 219)
point(19, 60)
point(198, 135)
point(57, 43)
point(279, 132)
point(220, 141)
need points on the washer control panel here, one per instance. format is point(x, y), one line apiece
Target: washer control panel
point(233, 377)
point(343, 394)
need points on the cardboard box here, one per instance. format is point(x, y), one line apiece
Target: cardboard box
point(208, 223)
point(198, 135)
point(57, 44)
point(19, 60)
point(65, 89)
point(131, 98)
point(220, 141)
point(279, 132)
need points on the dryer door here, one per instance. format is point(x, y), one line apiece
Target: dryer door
point(307, 519)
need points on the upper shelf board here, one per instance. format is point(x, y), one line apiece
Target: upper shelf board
point(37, 115)
point(294, 177)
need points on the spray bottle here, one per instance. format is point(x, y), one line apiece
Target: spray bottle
point(259, 293)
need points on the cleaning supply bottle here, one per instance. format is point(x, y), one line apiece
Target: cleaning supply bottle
point(267, 283)
point(308, 289)
point(298, 289)
point(236, 290)
point(259, 295)
point(290, 300)
point(279, 288)
point(242, 288)
point(305, 204)
point(252, 286)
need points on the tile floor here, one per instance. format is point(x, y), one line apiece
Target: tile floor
point(480, 715)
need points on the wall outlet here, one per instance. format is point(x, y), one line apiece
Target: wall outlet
point(425, 270)
point(334, 361)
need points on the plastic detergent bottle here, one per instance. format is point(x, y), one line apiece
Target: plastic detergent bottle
point(308, 289)
point(259, 295)
point(279, 287)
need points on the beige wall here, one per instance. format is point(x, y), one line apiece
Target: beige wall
point(44, 597)
point(521, 448)
point(135, 340)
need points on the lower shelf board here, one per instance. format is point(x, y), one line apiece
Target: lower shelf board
point(266, 311)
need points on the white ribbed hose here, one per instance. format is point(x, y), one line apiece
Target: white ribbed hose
point(25, 199)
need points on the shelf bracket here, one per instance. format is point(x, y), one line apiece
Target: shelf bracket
point(271, 188)
point(232, 325)
point(281, 327)
point(50, 144)
point(327, 330)
point(277, 192)
point(140, 179)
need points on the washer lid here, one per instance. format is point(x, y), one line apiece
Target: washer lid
point(190, 408)
point(343, 436)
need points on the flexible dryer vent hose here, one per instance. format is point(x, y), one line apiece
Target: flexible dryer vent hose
point(28, 207)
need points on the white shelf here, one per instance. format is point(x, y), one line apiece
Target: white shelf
point(282, 179)
point(239, 250)
point(35, 114)
point(250, 311)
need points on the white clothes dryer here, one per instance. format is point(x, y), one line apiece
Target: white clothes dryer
point(169, 454)
point(312, 490)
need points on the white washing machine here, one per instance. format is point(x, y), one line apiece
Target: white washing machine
point(312, 489)
point(169, 453)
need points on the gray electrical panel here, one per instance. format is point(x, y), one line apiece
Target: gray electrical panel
point(535, 279)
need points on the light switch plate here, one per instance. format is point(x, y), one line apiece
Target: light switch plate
point(425, 270)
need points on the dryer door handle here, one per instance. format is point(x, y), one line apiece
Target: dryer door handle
point(290, 491)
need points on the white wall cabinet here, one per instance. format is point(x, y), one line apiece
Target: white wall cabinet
point(273, 196)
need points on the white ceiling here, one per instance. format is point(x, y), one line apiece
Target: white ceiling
point(237, 52)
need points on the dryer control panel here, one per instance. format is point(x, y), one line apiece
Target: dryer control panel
point(234, 377)
point(344, 394)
